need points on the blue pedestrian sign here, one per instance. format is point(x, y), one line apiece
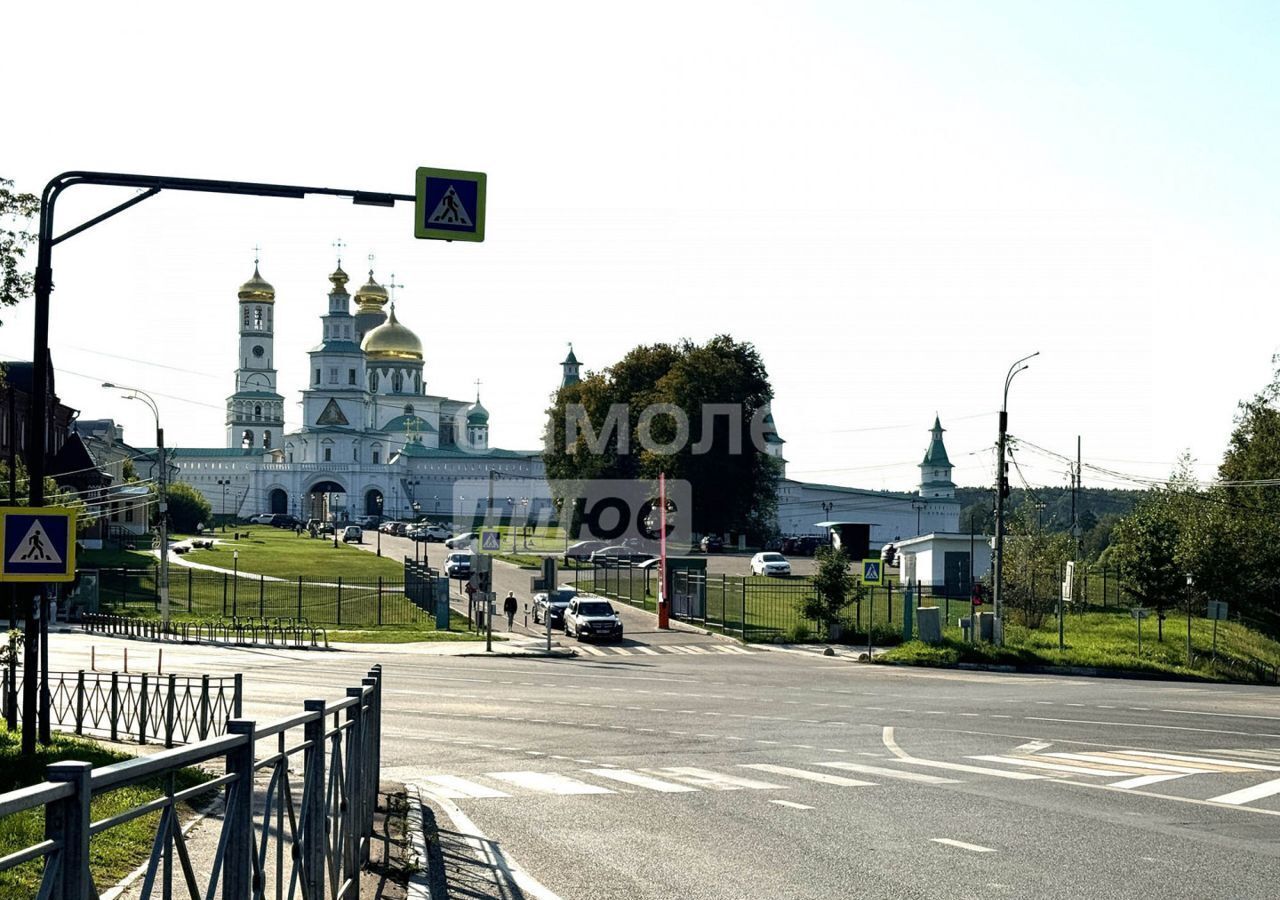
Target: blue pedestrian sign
point(871, 571)
point(490, 540)
point(449, 205)
point(38, 545)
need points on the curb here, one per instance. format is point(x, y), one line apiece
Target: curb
point(564, 653)
point(419, 887)
point(1077, 671)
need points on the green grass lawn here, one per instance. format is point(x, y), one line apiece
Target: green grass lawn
point(280, 553)
point(114, 559)
point(113, 853)
point(408, 634)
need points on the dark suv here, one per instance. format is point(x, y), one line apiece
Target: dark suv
point(712, 544)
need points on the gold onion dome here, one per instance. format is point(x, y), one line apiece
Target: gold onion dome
point(371, 296)
point(256, 288)
point(391, 340)
point(339, 280)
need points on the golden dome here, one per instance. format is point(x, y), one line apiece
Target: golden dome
point(339, 280)
point(256, 288)
point(372, 296)
point(391, 340)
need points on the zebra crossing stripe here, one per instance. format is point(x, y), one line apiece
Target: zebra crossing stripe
point(454, 788)
point(696, 650)
point(806, 775)
point(639, 779)
point(673, 648)
point(592, 651)
point(715, 781)
point(1249, 794)
point(1058, 767)
point(548, 783)
point(1144, 780)
point(621, 651)
point(648, 650)
point(889, 773)
point(1131, 763)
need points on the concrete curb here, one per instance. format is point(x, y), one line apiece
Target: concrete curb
point(1076, 671)
point(419, 887)
point(563, 653)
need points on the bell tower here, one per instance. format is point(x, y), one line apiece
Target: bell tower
point(255, 412)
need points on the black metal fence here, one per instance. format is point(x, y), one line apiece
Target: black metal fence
point(379, 601)
point(282, 632)
point(141, 707)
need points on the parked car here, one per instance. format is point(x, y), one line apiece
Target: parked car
point(616, 556)
point(387, 527)
point(368, 522)
point(582, 550)
point(462, 541)
point(803, 545)
point(458, 565)
point(352, 535)
point(591, 617)
point(260, 519)
point(712, 544)
point(430, 533)
point(551, 606)
point(770, 564)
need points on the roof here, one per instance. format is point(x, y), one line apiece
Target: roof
point(340, 347)
point(255, 395)
point(407, 423)
point(206, 451)
point(843, 489)
point(936, 455)
point(455, 453)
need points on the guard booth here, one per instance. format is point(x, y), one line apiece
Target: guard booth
point(686, 587)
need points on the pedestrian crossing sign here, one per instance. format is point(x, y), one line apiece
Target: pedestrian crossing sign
point(38, 544)
point(449, 205)
point(871, 571)
point(490, 540)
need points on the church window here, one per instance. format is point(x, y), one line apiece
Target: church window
point(333, 374)
point(246, 317)
point(355, 454)
point(266, 440)
point(317, 376)
point(257, 412)
point(375, 457)
point(351, 376)
point(328, 454)
point(373, 382)
point(269, 318)
point(128, 513)
point(257, 317)
point(246, 440)
point(408, 409)
point(397, 381)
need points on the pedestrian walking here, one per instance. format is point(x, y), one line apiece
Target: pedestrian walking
point(509, 606)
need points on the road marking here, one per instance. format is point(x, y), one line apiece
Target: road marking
point(592, 651)
point(904, 757)
point(806, 775)
point(790, 805)
point(621, 651)
point(975, 848)
point(1227, 764)
point(1144, 780)
point(1192, 712)
point(719, 649)
point(715, 781)
point(648, 650)
point(1249, 794)
point(1032, 747)
point(639, 779)
point(1055, 767)
point(491, 853)
point(455, 788)
point(548, 783)
point(1253, 734)
point(696, 650)
point(889, 773)
point(1132, 763)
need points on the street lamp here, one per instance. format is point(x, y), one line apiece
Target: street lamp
point(235, 585)
point(1040, 507)
point(135, 394)
point(1002, 484)
point(918, 505)
point(224, 482)
point(379, 502)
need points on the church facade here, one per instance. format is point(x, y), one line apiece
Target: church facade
point(375, 440)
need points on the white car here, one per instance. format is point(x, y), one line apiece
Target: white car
point(429, 533)
point(462, 541)
point(770, 564)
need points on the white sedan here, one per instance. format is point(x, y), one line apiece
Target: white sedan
point(770, 564)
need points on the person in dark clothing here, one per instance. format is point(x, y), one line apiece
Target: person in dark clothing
point(509, 606)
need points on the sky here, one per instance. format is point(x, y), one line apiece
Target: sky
point(892, 201)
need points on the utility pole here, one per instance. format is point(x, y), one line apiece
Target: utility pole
point(1002, 485)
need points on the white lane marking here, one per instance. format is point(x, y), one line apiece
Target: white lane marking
point(905, 757)
point(1253, 734)
point(592, 651)
point(548, 783)
point(1032, 747)
point(1174, 798)
point(1208, 760)
point(456, 788)
point(715, 781)
point(719, 649)
point(1192, 712)
point(1144, 780)
point(1249, 794)
point(696, 650)
point(1056, 767)
point(806, 775)
point(975, 848)
point(671, 648)
point(621, 651)
point(742, 650)
point(648, 650)
point(489, 852)
point(639, 779)
point(790, 805)
point(889, 773)
point(1131, 763)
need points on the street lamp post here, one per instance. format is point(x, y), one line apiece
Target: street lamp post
point(379, 525)
point(135, 394)
point(1002, 486)
point(918, 505)
point(224, 482)
point(235, 585)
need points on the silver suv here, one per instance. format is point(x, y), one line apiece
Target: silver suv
point(592, 617)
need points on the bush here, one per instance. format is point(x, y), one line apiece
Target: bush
point(187, 508)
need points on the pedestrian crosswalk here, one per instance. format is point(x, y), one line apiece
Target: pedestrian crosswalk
point(659, 649)
point(1116, 769)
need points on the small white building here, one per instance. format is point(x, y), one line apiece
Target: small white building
point(945, 561)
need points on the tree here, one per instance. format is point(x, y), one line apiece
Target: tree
point(16, 212)
point(187, 507)
point(1033, 566)
point(834, 588)
point(734, 482)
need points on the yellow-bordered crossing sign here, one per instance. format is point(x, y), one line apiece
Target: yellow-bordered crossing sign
point(872, 571)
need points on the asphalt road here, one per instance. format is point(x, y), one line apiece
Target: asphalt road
point(696, 768)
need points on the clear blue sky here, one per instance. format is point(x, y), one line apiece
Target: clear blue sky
point(893, 200)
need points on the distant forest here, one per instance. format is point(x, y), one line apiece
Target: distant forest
point(1100, 509)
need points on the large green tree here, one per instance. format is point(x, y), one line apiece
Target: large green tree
point(734, 483)
point(187, 507)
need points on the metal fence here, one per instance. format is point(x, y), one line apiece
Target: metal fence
point(281, 632)
point(141, 707)
point(379, 601)
point(297, 820)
